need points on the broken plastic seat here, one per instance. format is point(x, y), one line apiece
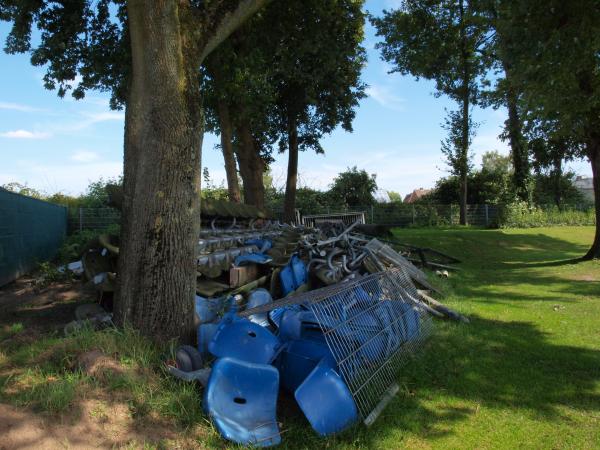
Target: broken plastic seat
point(292, 275)
point(207, 309)
point(239, 338)
point(298, 359)
point(259, 297)
point(241, 399)
point(292, 322)
point(276, 314)
point(263, 245)
point(249, 258)
point(326, 401)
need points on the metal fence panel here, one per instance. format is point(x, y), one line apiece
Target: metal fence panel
point(92, 218)
point(31, 231)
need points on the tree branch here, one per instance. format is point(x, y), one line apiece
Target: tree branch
point(229, 22)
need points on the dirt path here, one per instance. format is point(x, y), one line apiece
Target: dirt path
point(42, 309)
point(98, 426)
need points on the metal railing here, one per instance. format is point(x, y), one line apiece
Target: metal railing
point(347, 218)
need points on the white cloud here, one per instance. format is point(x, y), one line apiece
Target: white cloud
point(71, 178)
point(386, 98)
point(24, 134)
point(104, 116)
point(84, 156)
point(17, 107)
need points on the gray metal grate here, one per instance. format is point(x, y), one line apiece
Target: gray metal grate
point(371, 327)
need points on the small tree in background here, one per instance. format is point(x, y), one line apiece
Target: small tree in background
point(354, 188)
point(441, 40)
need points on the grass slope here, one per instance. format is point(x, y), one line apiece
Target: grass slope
point(525, 373)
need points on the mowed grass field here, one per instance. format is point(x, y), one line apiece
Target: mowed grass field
point(524, 373)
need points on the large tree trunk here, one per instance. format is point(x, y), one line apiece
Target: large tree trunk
point(465, 132)
point(558, 179)
point(163, 134)
point(251, 166)
point(464, 159)
point(593, 152)
point(514, 128)
point(233, 187)
point(289, 205)
point(518, 147)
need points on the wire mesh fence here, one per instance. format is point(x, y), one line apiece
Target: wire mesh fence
point(92, 218)
point(371, 326)
point(392, 214)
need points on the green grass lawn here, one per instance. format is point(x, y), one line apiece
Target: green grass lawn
point(524, 373)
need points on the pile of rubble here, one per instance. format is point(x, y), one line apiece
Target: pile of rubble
point(327, 315)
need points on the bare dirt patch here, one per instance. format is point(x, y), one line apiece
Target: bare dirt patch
point(99, 425)
point(59, 396)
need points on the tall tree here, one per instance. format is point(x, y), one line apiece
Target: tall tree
point(550, 148)
point(317, 59)
point(506, 93)
point(239, 104)
point(148, 55)
point(556, 46)
point(298, 69)
point(354, 188)
point(444, 41)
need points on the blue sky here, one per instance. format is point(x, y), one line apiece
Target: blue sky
point(55, 144)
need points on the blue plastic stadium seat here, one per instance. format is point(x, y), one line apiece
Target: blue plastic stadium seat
point(259, 297)
point(207, 308)
point(298, 359)
point(244, 340)
point(299, 324)
point(293, 275)
point(205, 333)
point(276, 314)
point(325, 400)
point(241, 399)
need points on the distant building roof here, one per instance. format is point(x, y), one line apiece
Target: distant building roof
point(583, 182)
point(416, 195)
point(585, 185)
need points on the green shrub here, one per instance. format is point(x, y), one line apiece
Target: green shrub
point(74, 245)
point(522, 215)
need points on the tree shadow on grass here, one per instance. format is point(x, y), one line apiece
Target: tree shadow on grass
point(494, 364)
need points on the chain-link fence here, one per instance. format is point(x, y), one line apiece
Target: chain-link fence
point(390, 214)
point(92, 218)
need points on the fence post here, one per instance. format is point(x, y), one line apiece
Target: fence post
point(487, 216)
point(413, 215)
point(80, 218)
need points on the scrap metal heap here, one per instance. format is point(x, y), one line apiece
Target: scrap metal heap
point(326, 314)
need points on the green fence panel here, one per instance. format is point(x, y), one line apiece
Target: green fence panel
point(31, 231)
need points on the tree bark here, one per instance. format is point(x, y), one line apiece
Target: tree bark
point(464, 161)
point(558, 178)
point(465, 132)
point(517, 145)
point(289, 206)
point(514, 125)
point(251, 166)
point(163, 137)
point(593, 151)
point(233, 187)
